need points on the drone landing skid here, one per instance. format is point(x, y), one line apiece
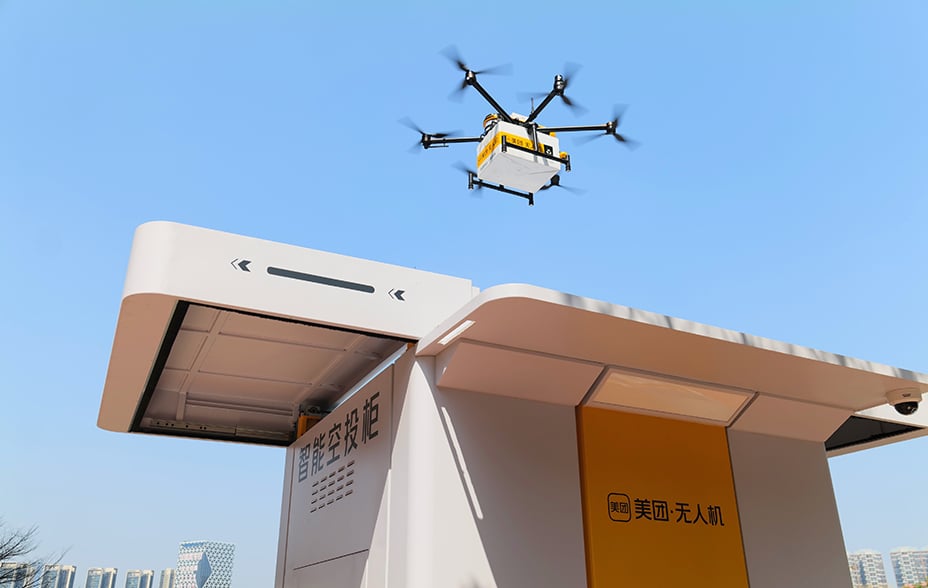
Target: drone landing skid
point(473, 180)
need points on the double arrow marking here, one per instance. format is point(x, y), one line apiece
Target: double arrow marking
point(398, 294)
point(241, 264)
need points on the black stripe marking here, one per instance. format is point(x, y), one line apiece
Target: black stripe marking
point(325, 281)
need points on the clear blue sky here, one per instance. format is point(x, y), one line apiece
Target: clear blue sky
point(780, 189)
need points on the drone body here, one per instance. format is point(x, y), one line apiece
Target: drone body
point(515, 154)
point(508, 155)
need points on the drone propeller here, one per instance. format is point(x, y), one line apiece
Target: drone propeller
point(612, 129)
point(561, 82)
point(555, 182)
point(570, 70)
point(451, 53)
point(407, 122)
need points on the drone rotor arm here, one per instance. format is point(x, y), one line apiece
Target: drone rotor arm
point(541, 105)
point(557, 89)
point(608, 128)
point(471, 80)
point(429, 141)
point(575, 129)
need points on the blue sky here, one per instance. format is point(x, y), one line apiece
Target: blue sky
point(780, 189)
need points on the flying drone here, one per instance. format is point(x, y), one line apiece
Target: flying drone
point(515, 154)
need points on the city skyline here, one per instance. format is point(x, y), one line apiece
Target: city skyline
point(197, 561)
point(906, 566)
point(199, 564)
point(868, 569)
point(60, 575)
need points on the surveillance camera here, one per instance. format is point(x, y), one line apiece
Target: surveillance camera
point(904, 400)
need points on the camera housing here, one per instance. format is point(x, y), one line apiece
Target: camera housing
point(904, 400)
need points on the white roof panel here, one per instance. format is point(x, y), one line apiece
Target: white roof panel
point(807, 393)
point(229, 337)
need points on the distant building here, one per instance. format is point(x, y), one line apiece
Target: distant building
point(867, 569)
point(18, 575)
point(140, 578)
point(58, 576)
point(204, 564)
point(167, 578)
point(101, 578)
point(910, 565)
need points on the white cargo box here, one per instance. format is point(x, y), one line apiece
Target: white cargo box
point(515, 168)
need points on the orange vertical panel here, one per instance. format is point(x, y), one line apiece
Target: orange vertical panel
point(658, 503)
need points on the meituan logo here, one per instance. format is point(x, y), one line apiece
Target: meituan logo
point(620, 508)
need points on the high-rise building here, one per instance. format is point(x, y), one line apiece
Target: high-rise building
point(204, 564)
point(16, 575)
point(58, 576)
point(867, 569)
point(909, 565)
point(167, 578)
point(101, 578)
point(140, 578)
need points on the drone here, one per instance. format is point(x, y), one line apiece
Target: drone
point(515, 154)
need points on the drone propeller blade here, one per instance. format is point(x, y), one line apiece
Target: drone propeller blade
point(572, 190)
point(612, 129)
point(463, 168)
point(574, 107)
point(458, 92)
point(451, 53)
point(471, 176)
point(588, 138)
point(555, 182)
point(407, 122)
point(561, 82)
point(630, 143)
point(418, 145)
point(577, 109)
point(570, 70)
point(617, 111)
point(503, 69)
